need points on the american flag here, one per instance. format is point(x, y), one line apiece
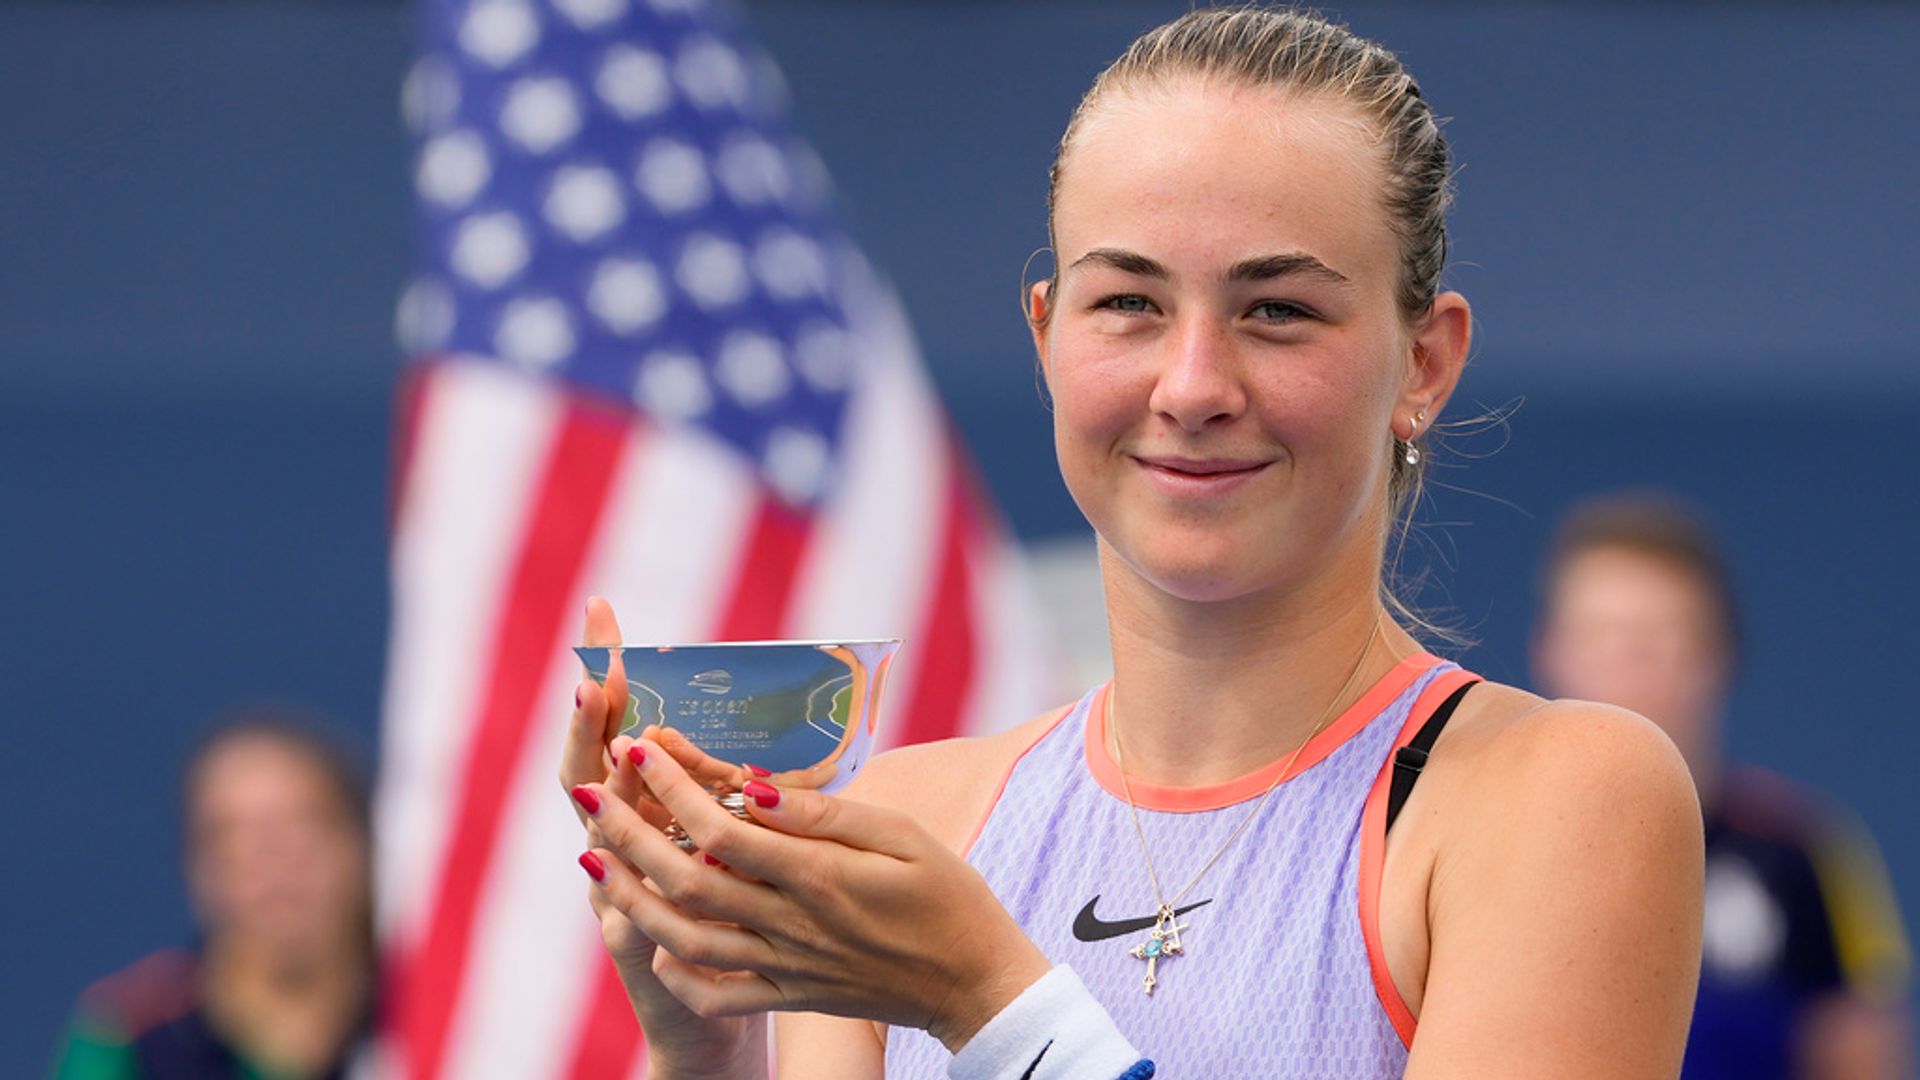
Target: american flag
point(648, 365)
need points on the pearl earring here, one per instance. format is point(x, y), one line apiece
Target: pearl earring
point(1413, 452)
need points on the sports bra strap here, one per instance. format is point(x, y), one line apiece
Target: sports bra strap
point(1411, 758)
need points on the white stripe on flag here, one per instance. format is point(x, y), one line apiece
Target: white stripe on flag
point(869, 566)
point(477, 448)
point(1019, 674)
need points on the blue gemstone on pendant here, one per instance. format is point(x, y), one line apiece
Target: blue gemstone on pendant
point(1153, 948)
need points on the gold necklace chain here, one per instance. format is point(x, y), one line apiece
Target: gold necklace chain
point(1164, 938)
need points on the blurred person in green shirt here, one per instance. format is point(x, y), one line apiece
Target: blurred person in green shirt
point(280, 985)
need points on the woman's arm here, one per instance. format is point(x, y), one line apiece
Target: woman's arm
point(1564, 905)
point(948, 788)
point(839, 907)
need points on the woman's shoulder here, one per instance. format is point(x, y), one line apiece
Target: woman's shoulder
point(950, 785)
point(1507, 735)
point(1513, 765)
point(1545, 877)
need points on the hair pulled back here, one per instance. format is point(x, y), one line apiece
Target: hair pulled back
point(1300, 52)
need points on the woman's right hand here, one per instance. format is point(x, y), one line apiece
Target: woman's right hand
point(679, 1042)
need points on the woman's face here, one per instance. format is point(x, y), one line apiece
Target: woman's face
point(274, 855)
point(1226, 357)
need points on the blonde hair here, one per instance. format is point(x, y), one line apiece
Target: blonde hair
point(1301, 52)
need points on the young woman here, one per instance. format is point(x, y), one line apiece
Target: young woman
point(1245, 343)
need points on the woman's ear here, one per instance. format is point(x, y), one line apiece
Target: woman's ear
point(1440, 345)
point(1040, 320)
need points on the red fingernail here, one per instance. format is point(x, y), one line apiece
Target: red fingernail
point(711, 861)
point(766, 795)
point(637, 754)
point(757, 770)
point(576, 697)
point(587, 799)
point(591, 863)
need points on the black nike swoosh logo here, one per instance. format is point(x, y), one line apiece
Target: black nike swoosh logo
point(1090, 927)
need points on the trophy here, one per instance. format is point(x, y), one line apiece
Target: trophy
point(803, 710)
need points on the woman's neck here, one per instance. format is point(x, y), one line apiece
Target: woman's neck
point(1205, 693)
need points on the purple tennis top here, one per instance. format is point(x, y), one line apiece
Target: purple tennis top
point(1279, 973)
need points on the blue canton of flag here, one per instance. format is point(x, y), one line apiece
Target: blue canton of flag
point(611, 197)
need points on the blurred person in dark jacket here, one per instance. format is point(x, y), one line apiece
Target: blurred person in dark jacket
point(1805, 964)
point(280, 984)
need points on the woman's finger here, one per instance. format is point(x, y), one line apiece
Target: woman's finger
point(690, 883)
point(584, 759)
point(758, 852)
point(603, 630)
point(714, 994)
point(624, 781)
point(706, 770)
point(695, 941)
point(618, 934)
point(805, 812)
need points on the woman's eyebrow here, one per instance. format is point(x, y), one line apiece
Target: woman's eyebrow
point(1129, 262)
point(1260, 268)
point(1294, 264)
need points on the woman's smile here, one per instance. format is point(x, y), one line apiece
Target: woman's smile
point(1200, 477)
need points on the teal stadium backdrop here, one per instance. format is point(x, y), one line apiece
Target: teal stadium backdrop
point(1688, 231)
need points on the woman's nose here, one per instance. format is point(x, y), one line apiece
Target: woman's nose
point(1199, 382)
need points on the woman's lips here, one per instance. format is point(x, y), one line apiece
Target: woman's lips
point(1194, 477)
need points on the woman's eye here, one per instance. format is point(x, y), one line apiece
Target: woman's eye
point(1127, 303)
point(1279, 311)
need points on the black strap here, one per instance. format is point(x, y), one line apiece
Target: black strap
point(1411, 758)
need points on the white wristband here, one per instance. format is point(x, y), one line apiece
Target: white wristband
point(1058, 1022)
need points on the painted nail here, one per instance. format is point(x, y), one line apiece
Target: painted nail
point(757, 770)
point(711, 861)
point(637, 754)
point(765, 795)
point(591, 863)
point(576, 697)
point(587, 799)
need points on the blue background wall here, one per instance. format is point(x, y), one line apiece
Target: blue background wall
point(1688, 232)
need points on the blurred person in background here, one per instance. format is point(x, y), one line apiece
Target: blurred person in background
point(280, 983)
point(1805, 963)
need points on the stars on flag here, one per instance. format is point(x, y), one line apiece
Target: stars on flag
point(610, 195)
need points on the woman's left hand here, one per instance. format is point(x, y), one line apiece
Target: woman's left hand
point(838, 907)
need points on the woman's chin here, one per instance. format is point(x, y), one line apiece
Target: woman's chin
point(1195, 576)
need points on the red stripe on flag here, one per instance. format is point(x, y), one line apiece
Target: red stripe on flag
point(560, 526)
point(763, 589)
point(946, 643)
point(756, 608)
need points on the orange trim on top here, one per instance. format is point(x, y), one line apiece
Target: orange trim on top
point(1188, 800)
point(1373, 851)
point(981, 825)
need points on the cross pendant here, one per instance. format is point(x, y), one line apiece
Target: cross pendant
point(1162, 940)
